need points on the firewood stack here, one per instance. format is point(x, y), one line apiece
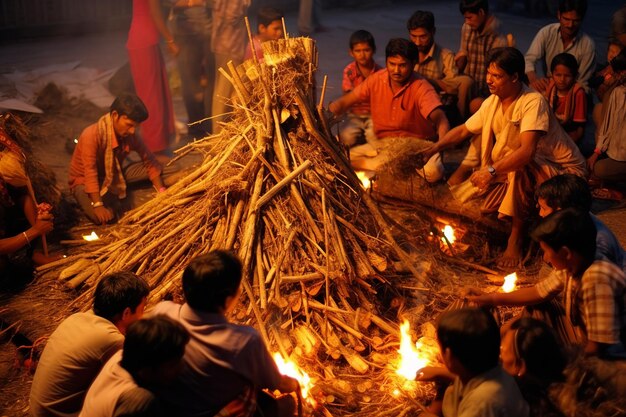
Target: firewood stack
point(278, 189)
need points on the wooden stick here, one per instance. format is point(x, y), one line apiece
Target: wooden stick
point(323, 94)
point(285, 181)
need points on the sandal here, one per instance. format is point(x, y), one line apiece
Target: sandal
point(607, 194)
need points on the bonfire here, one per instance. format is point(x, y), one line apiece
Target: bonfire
point(277, 188)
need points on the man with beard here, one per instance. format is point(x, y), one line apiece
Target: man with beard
point(403, 105)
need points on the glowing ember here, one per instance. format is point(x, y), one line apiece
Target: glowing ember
point(365, 181)
point(413, 357)
point(90, 238)
point(448, 232)
point(509, 282)
point(289, 368)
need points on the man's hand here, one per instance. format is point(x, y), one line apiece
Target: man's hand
point(288, 384)
point(540, 84)
point(481, 178)
point(103, 214)
point(434, 374)
point(591, 162)
point(478, 297)
point(461, 63)
point(43, 224)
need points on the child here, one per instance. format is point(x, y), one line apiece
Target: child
point(567, 98)
point(567, 190)
point(152, 356)
point(269, 26)
point(469, 340)
point(594, 290)
point(226, 363)
point(358, 128)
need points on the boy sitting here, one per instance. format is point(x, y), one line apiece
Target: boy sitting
point(225, 363)
point(594, 290)
point(357, 128)
point(152, 356)
point(269, 27)
point(469, 340)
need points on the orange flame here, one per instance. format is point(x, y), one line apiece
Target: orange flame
point(510, 283)
point(448, 232)
point(413, 357)
point(365, 181)
point(289, 368)
point(91, 237)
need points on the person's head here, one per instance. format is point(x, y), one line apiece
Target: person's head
point(120, 297)
point(269, 23)
point(568, 239)
point(505, 71)
point(421, 27)
point(127, 112)
point(469, 339)
point(614, 47)
point(531, 351)
point(475, 12)
point(564, 68)
point(362, 47)
point(563, 191)
point(153, 350)
point(618, 63)
point(211, 282)
point(401, 55)
point(570, 15)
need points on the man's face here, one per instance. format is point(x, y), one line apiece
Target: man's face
point(400, 69)
point(122, 125)
point(475, 20)
point(362, 53)
point(570, 23)
point(544, 209)
point(499, 82)
point(422, 38)
point(508, 356)
point(271, 32)
point(557, 259)
point(612, 52)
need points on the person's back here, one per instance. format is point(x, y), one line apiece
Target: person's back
point(79, 347)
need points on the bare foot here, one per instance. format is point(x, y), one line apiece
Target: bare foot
point(511, 257)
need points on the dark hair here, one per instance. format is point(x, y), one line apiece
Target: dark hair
point(131, 106)
point(510, 60)
point(572, 228)
point(152, 342)
point(209, 279)
point(402, 47)
point(116, 292)
point(567, 60)
point(362, 36)
point(578, 6)
point(535, 342)
point(619, 62)
point(564, 191)
point(473, 6)
point(266, 15)
point(421, 19)
point(473, 337)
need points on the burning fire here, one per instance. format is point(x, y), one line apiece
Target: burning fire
point(289, 368)
point(448, 232)
point(91, 237)
point(509, 282)
point(365, 181)
point(413, 357)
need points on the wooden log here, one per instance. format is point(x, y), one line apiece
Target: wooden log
point(282, 184)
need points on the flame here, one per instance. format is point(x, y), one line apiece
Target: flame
point(448, 232)
point(91, 237)
point(289, 368)
point(509, 282)
point(413, 357)
point(365, 181)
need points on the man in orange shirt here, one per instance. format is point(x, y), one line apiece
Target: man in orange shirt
point(97, 170)
point(403, 105)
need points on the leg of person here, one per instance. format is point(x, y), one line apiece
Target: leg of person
point(210, 70)
point(222, 94)
point(83, 200)
point(352, 131)
point(190, 66)
point(148, 69)
point(464, 88)
point(608, 169)
point(308, 15)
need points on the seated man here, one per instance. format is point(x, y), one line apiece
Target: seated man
point(557, 38)
point(437, 65)
point(403, 105)
point(469, 340)
point(529, 147)
point(81, 345)
point(225, 363)
point(594, 290)
point(97, 171)
point(152, 356)
point(357, 128)
point(269, 24)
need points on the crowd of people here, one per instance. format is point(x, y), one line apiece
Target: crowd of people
point(523, 115)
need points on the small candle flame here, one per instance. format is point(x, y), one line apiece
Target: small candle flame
point(510, 282)
point(365, 181)
point(448, 232)
point(91, 237)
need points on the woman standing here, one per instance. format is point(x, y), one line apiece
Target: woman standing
point(149, 75)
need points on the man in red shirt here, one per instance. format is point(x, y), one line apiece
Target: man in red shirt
point(403, 105)
point(96, 169)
